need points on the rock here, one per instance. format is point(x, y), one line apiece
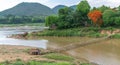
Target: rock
point(25, 34)
point(34, 51)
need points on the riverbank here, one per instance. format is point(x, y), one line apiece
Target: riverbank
point(79, 32)
point(87, 52)
point(9, 54)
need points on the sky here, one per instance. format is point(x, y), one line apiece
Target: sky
point(6, 4)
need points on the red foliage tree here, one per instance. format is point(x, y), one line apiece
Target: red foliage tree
point(96, 17)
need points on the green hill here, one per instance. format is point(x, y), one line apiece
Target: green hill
point(73, 7)
point(28, 9)
point(56, 9)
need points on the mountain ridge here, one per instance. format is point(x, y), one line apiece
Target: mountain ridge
point(32, 9)
point(28, 9)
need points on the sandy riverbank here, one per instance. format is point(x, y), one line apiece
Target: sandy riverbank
point(11, 53)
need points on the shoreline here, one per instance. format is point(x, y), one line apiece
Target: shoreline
point(13, 52)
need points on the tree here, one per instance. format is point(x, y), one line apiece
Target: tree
point(111, 17)
point(83, 7)
point(77, 19)
point(82, 10)
point(65, 18)
point(50, 20)
point(64, 12)
point(117, 21)
point(118, 8)
point(108, 18)
point(103, 8)
point(96, 17)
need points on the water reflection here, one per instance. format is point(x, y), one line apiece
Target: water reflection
point(104, 52)
point(9, 41)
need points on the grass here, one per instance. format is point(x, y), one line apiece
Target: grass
point(20, 62)
point(57, 56)
point(36, 63)
point(80, 32)
point(48, 63)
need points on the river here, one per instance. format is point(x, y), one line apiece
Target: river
point(104, 52)
point(7, 31)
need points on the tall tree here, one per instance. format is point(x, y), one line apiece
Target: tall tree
point(83, 7)
point(108, 17)
point(50, 20)
point(65, 17)
point(82, 10)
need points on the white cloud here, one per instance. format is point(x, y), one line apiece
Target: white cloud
point(98, 3)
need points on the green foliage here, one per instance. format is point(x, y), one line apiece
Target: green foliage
point(70, 18)
point(58, 57)
point(37, 63)
point(11, 19)
point(83, 7)
point(65, 11)
point(119, 8)
point(50, 20)
point(61, 21)
point(73, 7)
point(77, 19)
point(18, 63)
point(103, 8)
point(111, 18)
point(56, 9)
point(80, 15)
point(80, 32)
point(108, 18)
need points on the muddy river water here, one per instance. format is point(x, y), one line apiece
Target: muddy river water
point(104, 53)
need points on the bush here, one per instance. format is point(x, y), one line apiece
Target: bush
point(117, 36)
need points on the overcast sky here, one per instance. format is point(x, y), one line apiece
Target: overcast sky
point(5, 4)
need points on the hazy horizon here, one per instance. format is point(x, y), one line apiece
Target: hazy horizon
point(52, 3)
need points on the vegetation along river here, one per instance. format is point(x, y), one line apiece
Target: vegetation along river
point(104, 52)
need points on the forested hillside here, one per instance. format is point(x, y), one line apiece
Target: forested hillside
point(28, 9)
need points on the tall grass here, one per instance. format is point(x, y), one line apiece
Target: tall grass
point(80, 32)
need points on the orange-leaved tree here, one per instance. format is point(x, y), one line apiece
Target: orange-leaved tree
point(96, 17)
